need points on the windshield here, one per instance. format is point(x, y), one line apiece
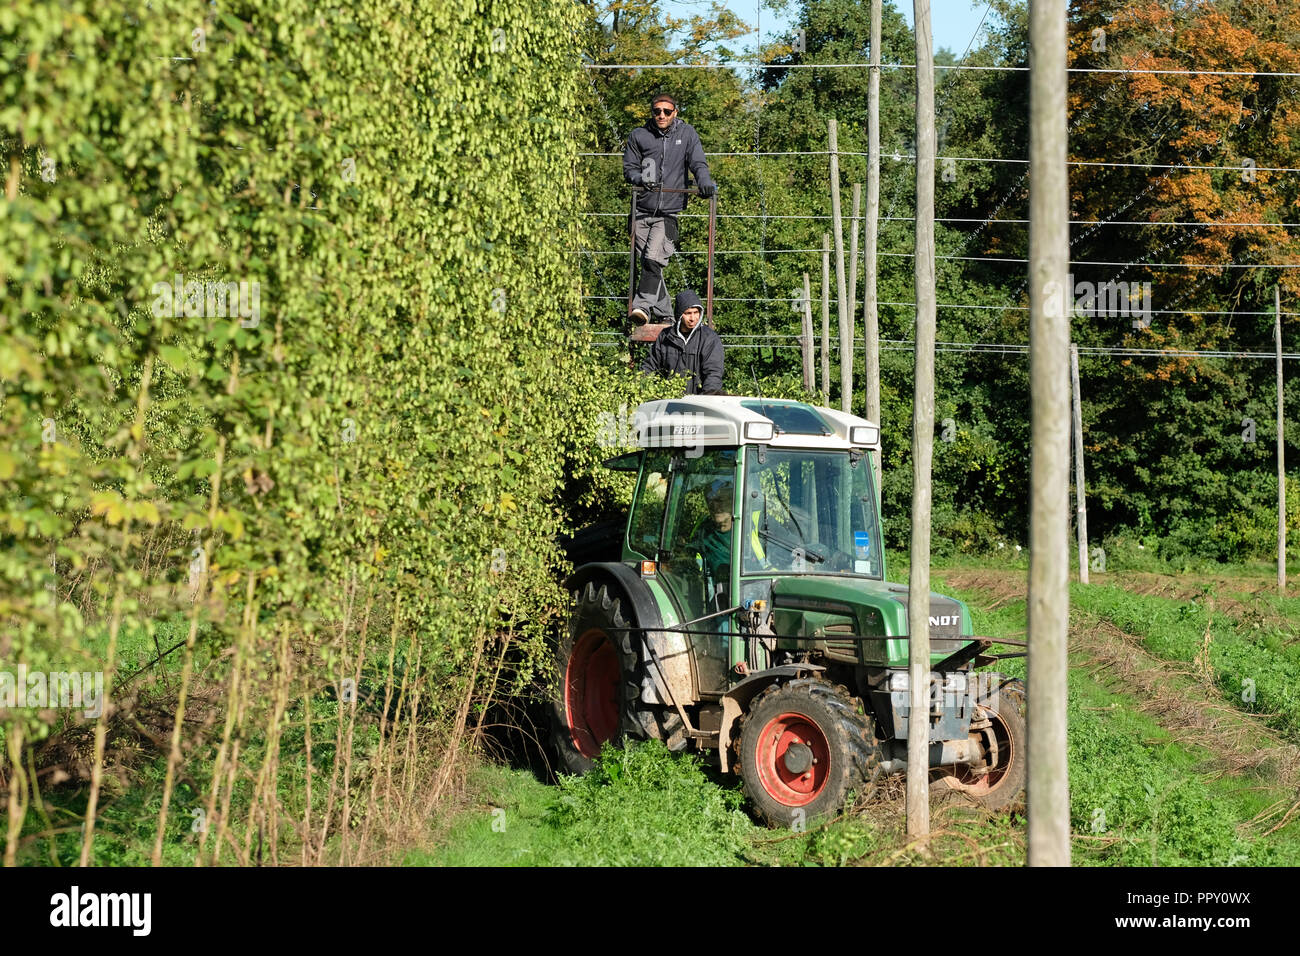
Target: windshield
point(811, 512)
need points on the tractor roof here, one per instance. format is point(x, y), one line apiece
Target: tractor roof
point(728, 420)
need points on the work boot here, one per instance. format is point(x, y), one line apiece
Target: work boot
point(639, 316)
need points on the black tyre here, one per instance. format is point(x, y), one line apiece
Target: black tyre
point(600, 667)
point(804, 745)
point(602, 541)
point(1001, 783)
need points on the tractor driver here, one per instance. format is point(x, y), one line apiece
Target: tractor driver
point(711, 544)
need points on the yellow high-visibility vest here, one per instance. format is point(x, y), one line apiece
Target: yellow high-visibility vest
point(756, 539)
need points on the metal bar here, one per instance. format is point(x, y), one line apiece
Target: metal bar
point(680, 629)
point(713, 226)
point(707, 617)
point(631, 256)
point(959, 657)
point(689, 190)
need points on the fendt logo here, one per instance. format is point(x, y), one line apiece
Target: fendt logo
point(945, 620)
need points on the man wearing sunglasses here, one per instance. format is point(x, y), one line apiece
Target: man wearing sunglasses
point(657, 157)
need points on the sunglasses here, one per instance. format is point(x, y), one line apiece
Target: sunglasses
point(663, 112)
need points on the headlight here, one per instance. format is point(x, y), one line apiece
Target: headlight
point(864, 434)
point(759, 431)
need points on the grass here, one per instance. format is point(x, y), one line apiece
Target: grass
point(644, 806)
point(639, 807)
point(148, 666)
point(1138, 795)
point(1169, 765)
point(1135, 798)
point(1252, 670)
point(1144, 790)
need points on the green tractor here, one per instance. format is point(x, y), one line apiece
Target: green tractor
point(743, 610)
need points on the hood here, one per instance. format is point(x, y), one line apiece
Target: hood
point(686, 299)
point(879, 607)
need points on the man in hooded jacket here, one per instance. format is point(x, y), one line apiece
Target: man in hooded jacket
point(688, 347)
point(657, 157)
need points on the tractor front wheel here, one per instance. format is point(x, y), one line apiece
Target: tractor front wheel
point(1000, 783)
point(804, 745)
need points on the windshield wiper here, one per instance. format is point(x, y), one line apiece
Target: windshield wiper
point(809, 553)
point(788, 510)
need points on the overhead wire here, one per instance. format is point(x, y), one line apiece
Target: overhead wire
point(994, 308)
point(991, 348)
point(991, 68)
point(1011, 259)
point(900, 157)
point(1092, 224)
point(1014, 222)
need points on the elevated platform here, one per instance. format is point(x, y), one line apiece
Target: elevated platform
point(648, 332)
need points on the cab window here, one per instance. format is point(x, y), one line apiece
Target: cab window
point(648, 505)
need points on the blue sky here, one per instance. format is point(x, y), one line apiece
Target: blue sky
point(953, 21)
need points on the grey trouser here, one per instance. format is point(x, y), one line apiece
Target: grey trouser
point(655, 237)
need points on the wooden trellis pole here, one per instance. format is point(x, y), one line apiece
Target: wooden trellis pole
point(1049, 356)
point(853, 250)
point(809, 375)
point(841, 301)
point(826, 318)
point(870, 309)
point(918, 598)
point(1080, 498)
point(1281, 451)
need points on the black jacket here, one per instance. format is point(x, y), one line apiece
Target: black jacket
point(697, 354)
point(668, 155)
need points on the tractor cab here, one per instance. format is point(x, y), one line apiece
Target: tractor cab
point(787, 510)
point(748, 614)
point(738, 497)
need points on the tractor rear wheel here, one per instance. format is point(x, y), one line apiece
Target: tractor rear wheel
point(1001, 784)
point(601, 673)
point(804, 745)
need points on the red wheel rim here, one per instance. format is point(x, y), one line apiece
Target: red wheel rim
point(995, 737)
point(791, 787)
point(591, 692)
point(997, 742)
